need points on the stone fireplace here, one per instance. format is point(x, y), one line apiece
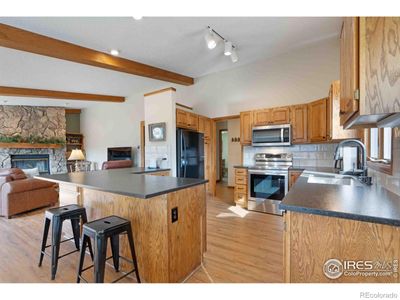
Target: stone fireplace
point(25, 121)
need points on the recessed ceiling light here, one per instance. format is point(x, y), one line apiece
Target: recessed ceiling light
point(138, 18)
point(114, 52)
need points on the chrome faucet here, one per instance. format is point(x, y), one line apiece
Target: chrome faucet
point(362, 169)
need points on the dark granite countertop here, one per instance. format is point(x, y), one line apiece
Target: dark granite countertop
point(356, 201)
point(140, 170)
point(128, 181)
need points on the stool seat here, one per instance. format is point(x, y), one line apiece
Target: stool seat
point(65, 211)
point(106, 225)
point(102, 230)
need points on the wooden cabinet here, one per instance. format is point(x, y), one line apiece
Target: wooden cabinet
point(317, 122)
point(298, 118)
point(369, 70)
point(261, 117)
point(205, 127)
point(246, 125)
point(349, 68)
point(293, 176)
point(311, 240)
point(240, 194)
point(335, 131)
point(193, 121)
point(207, 163)
point(280, 115)
point(185, 119)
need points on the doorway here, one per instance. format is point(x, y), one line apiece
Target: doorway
point(223, 156)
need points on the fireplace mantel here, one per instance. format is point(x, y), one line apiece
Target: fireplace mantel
point(30, 146)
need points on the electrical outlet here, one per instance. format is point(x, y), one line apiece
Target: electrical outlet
point(174, 214)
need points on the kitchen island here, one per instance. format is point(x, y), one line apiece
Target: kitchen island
point(340, 230)
point(168, 215)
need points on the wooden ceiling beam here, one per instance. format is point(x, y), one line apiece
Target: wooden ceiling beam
point(57, 95)
point(19, 39)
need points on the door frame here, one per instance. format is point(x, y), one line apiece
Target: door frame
point(220, 153)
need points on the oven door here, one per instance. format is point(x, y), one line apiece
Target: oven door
point(266, 189)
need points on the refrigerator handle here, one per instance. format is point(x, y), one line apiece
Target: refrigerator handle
point(184, 155)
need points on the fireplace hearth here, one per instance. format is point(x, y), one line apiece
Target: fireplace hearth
point(30, 161)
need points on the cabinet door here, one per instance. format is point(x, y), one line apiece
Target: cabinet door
point(246, 124)
point(379, 65)
point(202, 121)
point(205, 127)
point(349, 68)
point(181, 118)
point(299, 123)
point(193, 121)
point(280, 115)
point(261, 117)
point(317, 122)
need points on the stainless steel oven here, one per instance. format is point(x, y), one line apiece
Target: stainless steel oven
point(272, 135)
point(268, 182)
point(266, 189)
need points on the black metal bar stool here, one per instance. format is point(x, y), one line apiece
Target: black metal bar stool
point(100, 231)
point(56, 216)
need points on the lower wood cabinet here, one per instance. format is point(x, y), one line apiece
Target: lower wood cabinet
point(293, 176)
point(162, 173)
point(240, 194)
point(311, 240)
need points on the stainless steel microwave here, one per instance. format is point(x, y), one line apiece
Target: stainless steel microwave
point(272, 135)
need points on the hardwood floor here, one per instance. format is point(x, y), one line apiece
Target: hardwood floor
point(242, 247)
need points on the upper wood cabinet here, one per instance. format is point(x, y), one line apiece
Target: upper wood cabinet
point(317, 122)
point(246, 125)
point(349, 69)
point(185, 119)
point(261, 117)
point(369, 70)
point(335, 131)
point(205, 127)
point(280, 115)
point(298, 118)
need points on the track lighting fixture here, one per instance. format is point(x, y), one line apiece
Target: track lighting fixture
point(212, 38)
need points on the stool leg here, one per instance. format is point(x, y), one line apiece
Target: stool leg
point(84, 220)
point(100, 258)
point(115, 251)
point(55, 245)
point(133, 253)
point(85, 240)
point(76, 231)
point(44, 239)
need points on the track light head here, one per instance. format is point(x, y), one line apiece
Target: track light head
point(228, 48)
point(234, 56)
point(210, 39)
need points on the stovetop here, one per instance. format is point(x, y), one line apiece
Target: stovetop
point(269, 161)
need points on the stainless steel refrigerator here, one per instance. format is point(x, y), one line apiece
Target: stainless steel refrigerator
point(190, 154)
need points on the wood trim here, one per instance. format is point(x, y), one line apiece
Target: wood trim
point(142, 143)
point(184, 106)
point(160, 91)
point(56, 95)
point(19, 39)
point(72, 111)
point(231, 117)
point(213, 179)
point(29, 146)
point(220, 152)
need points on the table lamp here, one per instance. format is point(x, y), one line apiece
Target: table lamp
point(76, 155)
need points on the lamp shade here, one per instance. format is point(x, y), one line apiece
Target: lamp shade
point(76, 154)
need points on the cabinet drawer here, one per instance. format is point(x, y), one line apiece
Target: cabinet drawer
point(239, 188)
point(241, 179)
point(240, 171)
point(241, 199)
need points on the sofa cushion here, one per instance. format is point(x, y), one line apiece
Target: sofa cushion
point(18, 176)
point(28, 184)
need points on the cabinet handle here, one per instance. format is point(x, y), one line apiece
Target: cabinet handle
point(342, 112)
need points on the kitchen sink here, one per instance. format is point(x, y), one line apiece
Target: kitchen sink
point(330, 180)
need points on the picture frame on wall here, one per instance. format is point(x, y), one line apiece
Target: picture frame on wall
point(157, 132)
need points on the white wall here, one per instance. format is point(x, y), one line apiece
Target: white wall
point(234, 149)
point(112, 125)
point(296, 77)
point(161, 108)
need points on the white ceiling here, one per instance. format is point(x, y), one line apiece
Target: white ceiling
point(173, 43)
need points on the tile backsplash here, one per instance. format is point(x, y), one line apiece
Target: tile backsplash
point(315, 155)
